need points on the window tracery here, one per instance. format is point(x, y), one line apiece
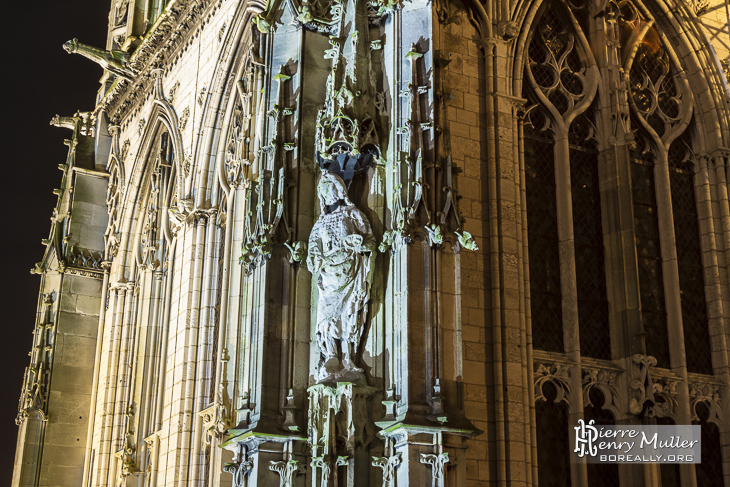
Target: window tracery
point(562, 140)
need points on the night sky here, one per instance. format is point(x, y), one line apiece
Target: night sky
point(39, 80)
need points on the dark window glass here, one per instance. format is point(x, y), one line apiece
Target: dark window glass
point(689, 259)
point(648, 253)
point(709, 472)
point(669, 471)
point(600, 474)
point(595, 340)
point(553, 458)
point(542, 224)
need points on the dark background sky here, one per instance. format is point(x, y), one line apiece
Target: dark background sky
point(39, 79)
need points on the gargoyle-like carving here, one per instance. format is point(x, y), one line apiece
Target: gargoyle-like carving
point(116, 62)
point(65, 122)
point(341, 253)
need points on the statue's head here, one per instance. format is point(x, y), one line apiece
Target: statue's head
point(330, 190)
point(71, 46)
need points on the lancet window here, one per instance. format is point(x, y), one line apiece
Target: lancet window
point(662, 103)
point(588, 233)
point(542, 220)
point(709, 471)
point(689, 257)
point(600, 474)
point(563, 197)
point(551, 416)
point(648, 253)
point(562, 143)
point(577, 106)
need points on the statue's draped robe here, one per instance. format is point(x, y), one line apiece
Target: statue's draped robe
point(340, 246)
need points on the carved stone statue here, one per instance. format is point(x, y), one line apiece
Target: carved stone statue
point(116, 62)
point(341, 254)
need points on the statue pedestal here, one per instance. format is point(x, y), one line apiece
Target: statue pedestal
point(342, 433)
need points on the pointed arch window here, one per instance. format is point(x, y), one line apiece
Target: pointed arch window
point(689, 257)
point(565, 237)
point(709, 472)
point(590, 271)
point(551, 415)
point(662, 110)
point(542, 220)
point(648, 253)
point(600, 474)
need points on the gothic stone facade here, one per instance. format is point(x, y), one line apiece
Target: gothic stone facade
point(386, 243)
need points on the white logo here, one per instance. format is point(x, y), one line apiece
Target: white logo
point(586, 436)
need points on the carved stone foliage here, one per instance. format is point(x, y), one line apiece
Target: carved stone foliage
point(348, 114)
point(215, 418)
point(424, 194)
point(175, 25)
point(36, 379)
point(604, 381)
point(242, 464)
point(83, 258)
point(558, 375)
point(347, 139)
point(651, 396)
point(341, 254)
point(287, 470)
point(708, 394)
point(642, 384)
point(239, 469)
point(324, 15)
point(267, 220)
point(388, 465)
point(437, 463)
point(340, 428)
